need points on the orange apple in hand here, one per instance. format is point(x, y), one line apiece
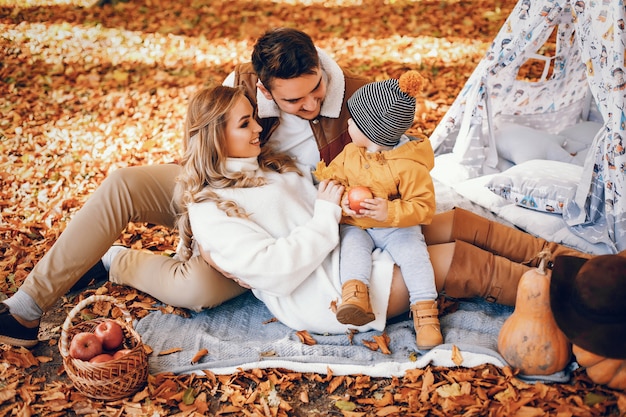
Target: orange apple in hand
point(110, 334)
point(356, 195)
point(84, 346)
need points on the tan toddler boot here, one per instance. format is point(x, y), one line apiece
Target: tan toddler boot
point(355, 308)
point(426, 321)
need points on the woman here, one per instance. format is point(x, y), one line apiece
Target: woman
point(261, 219)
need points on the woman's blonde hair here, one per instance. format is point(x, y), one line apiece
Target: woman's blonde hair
point(204, 159)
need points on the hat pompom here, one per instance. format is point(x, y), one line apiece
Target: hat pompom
point(411, 83)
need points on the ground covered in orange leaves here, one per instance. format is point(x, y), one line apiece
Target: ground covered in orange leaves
point(86, 90)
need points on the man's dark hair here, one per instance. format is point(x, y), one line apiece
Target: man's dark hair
point(284, 53)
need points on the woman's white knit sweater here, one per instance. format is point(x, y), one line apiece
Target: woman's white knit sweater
point(287, 250)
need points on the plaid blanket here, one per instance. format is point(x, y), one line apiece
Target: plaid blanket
point(241, 334)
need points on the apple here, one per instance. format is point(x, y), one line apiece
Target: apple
point(110, 334)
point(85, 345)
point(119, 353)
point(103, 357)
point(356, 195)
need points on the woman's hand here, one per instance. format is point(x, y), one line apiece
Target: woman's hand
point(330, 190)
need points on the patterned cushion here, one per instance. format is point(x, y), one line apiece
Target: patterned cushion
point(538, 184)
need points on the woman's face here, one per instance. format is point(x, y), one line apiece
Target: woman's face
point(242, 131)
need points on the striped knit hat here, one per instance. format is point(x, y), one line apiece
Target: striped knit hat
point(385, 110)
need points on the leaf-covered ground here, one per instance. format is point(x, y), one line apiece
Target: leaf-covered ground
point(86, 90)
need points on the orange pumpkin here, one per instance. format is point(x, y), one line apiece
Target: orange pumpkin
point(601, 370)
point(530, 339)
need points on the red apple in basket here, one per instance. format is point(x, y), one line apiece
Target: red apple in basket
point(110, 334)
point(85, 345)
point(119, 353)
point(356, 195)
point(103, 357)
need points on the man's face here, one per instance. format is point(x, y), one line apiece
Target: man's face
point(301, 96)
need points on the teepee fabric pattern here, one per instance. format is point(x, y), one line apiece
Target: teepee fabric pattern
point(587, 69)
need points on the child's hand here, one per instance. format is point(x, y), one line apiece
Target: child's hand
point(331, 191)
point(374, 208)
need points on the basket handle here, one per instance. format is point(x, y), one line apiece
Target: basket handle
point(92, 299)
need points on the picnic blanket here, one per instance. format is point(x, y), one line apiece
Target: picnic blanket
point(241, 334)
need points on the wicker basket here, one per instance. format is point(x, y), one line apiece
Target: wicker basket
point(111, 380)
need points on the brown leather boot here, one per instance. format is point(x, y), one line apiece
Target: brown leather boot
point(355, 308)
point(426, 322)
point(475, 272)
point(502, 240)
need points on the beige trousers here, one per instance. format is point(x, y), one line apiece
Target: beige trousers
point(135, 194)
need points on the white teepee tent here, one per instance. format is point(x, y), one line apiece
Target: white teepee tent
point(587, 70)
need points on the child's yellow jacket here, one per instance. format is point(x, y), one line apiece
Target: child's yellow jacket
point(400, 175)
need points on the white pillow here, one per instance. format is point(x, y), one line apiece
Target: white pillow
point(449, 170)
point(579, 136)
point(519, 143)
point(476, 191)
point(541, 185)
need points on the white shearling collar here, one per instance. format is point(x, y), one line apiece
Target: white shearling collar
point(335, 90)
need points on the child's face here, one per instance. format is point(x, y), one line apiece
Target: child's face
point(358, 137)
point(242, 131)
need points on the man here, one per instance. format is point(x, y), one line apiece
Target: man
point(301, 95)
